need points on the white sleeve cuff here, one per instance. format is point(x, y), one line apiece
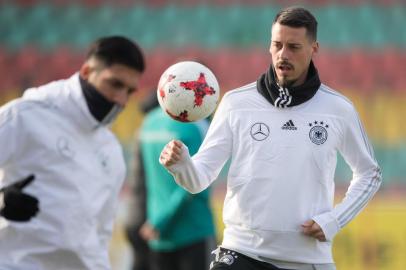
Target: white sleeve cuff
point(184, 160)
point(328, 224)
point(185, 173)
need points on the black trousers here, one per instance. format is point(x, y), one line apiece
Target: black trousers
point(191, 257)
point(232, 260)
point(139, 248)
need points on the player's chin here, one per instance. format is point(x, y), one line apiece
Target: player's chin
point(285, 81)
point(284, 76)
point(289, 81)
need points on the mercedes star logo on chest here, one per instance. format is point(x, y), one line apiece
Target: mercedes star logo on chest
point(259, 131)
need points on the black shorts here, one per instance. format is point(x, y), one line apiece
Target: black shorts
point(228, 259)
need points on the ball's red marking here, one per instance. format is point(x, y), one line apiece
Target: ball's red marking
point(200, 88)
point(183, 116)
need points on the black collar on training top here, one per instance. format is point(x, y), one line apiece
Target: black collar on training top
point(98, 105)
point(288, 96)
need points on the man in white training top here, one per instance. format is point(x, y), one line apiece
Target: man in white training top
point(282, 134)
point(60, 134)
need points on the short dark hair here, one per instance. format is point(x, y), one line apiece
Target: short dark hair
point(117, 50)
point(298, 17)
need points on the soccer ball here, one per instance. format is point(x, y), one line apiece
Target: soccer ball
point(188, 91)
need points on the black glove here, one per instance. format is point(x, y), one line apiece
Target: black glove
point(19, 206)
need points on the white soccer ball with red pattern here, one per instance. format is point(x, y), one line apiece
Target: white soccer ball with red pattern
point(188, 91)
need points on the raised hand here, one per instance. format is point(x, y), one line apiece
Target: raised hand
point(171, 153)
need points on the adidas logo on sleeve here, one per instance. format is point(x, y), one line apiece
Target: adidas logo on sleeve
point(289, 125)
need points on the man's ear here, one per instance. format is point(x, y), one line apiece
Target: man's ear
point(85, 70)
point(315, 46)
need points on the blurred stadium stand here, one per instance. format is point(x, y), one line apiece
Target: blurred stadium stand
point(363, 55)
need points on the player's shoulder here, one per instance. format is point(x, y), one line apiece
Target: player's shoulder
point(19, 107)
point(19, 112)
point(241, 92)
point(334, 95)
point(335, 100)
point(244, 98)
point(239, 97)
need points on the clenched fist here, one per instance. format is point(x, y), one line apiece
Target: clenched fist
point(171, 153)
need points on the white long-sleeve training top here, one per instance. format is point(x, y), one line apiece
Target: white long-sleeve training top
point(282, 172)
point(79, 169)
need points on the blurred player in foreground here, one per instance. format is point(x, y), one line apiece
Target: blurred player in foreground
point(59, 132)
point(179, 226)
point(282, 134)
